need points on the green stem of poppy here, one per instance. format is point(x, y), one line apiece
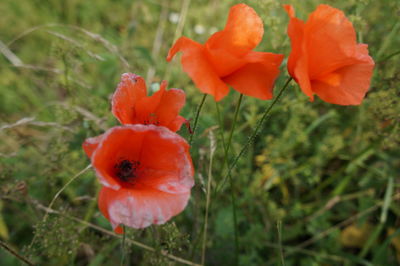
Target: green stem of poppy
point(233, 198)
point(221, 126)
point(226, 154)
point(197, 118)
point(123, 246)
point(255, 132)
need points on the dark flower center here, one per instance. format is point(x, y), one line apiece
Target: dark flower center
point(126, 169)
point(152, 120)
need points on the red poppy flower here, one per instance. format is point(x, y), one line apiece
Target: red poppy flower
point(131, 105)
point(326, 59)
point(227, 58)
point(146, 173)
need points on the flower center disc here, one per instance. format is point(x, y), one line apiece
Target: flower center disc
point(126, 169)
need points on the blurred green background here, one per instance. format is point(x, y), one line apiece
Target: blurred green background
point(320, 185)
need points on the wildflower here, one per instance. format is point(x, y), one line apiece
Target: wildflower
point(326, 59)
point(227, 58)
point(130, 105)
point(146, 173)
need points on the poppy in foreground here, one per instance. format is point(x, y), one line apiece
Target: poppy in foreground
point(131, 105)
point(146, 173)
point(326, 59)
point(227, 58)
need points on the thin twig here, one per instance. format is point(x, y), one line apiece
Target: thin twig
point(64, 187)
point(17, 62)
point(108, 45)
point(77, 44)
point(32, 121)
point(14, 253)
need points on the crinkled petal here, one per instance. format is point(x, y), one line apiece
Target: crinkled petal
point(146, 108)
point(166, 162)
point(346, 86)
point(169, 107)
point(330, 41)
point(258, 76)
point(295, 31)
point(302, 78)
point(139, 208)
point(242, 33)
point(196, 65)
point(130, 91)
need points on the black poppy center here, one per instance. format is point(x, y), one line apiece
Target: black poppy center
point(126, 169)
point(151, 120)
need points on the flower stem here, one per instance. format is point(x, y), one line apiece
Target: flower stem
point(123, 245)
point(226, 154)
point(255, 133)
point(232, 187)
point(197, 118)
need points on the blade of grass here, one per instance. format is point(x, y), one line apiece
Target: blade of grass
point(387, 200)
point(279, 228)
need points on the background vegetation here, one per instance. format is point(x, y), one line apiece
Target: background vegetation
point(320, 185)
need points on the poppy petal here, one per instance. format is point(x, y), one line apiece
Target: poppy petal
point(346, 86)
point(257, 77)
point(176, 124)
point(331, 39)
point(295, 31)
point(302, 77)
point(141, 207)
point(90, 145)
point(196, 65)
point(166, 162)
point(242, 33)
point(130, 90)
point(168, 110)
point(146, 108)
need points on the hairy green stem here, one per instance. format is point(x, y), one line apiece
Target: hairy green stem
point(255, 133)
point(123, 246)
point(196, 119)
point(226, 147)
point(232, 187)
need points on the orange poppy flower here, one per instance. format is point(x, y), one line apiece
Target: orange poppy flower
point(131, 105)
point(146, 172)
point(326, 59)
point(227, 58)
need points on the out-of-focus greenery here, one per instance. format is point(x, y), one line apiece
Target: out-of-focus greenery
point(327, 175)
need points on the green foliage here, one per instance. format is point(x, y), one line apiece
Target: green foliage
point(326, 172)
